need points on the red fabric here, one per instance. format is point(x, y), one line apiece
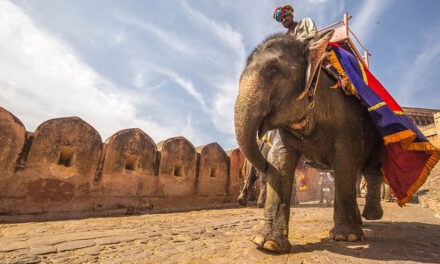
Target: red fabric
point(396, 162)
point(377, 87)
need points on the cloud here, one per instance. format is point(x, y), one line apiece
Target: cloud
point(42, 77)
point(168, 38)
point(371, 10)
point(186, 84)
point(223, 31)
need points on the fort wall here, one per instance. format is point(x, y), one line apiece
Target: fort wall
point(64, 166)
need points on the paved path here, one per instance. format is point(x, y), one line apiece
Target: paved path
point(404, 235)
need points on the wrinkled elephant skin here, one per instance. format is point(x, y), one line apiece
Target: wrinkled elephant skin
point(328, 128)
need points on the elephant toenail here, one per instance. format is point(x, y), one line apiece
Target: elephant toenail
point(352, 237)
point(258, 240)
point(271, 246)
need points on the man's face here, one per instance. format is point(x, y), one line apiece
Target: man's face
point(287, 21)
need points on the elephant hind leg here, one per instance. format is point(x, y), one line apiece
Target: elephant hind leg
point(373, 209)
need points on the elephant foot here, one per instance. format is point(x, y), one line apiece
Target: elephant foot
point(271, 240)
point(344, 232)
point(242, 199)
point(373, 212)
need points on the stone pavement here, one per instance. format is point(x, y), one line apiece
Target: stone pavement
point(405, 235)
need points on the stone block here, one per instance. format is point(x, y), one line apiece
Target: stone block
point(213, 170)
point(235, 178)
point(129, 164)
point(62, 160)
point(12, 140)
point(177, 168)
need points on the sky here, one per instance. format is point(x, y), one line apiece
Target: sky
point(171, 68)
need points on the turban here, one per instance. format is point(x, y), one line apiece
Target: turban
point(282, 11)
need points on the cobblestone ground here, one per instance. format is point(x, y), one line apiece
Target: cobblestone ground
point(405, 235)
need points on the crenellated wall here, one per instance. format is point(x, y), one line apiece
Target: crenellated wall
point(65, 167)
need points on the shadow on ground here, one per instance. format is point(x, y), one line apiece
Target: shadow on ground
point(398, 241)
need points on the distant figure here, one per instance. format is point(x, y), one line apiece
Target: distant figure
point(327, 189)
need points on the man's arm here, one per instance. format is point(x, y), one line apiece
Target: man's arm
point(306, 29)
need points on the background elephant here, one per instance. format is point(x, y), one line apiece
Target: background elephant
point(331, 129)
point(251, 174)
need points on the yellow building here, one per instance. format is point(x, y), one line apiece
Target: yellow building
point(427, 120)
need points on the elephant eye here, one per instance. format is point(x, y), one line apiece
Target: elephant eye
point(272, 70)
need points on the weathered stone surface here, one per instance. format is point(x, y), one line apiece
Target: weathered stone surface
point(213, 170)
point(77, 244)
point(177, 169)
point(42, 250)
point(129, 165)
point(235, 178)
point(107, 241)
point(183, 239)
point(63, 159)
point(12, 140)
point(11, 246)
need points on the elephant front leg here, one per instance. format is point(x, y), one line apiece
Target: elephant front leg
point(346, 215)
point(279, 176)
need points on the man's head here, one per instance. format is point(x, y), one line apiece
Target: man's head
point(284, 15)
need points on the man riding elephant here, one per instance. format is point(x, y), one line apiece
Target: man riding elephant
point(281, 89)
point(302, 30)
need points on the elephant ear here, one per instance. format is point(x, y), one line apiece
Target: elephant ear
point(315, 54)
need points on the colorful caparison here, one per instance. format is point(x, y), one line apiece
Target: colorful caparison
point(408, 157)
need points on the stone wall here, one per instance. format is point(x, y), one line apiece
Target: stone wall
point(65, 167)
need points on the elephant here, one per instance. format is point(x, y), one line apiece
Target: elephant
point(251, 175)
point(283, 88)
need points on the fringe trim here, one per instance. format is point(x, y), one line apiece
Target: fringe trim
point(429, 165)
point(404, 135)
point(335, 62)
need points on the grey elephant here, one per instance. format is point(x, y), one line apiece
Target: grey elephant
point(277, 91)
point(251, 175)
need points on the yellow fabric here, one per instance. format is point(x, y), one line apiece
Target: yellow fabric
point(364, 76)
point(374, 107)
point(350, 90)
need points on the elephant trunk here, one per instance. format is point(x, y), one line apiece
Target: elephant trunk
point(250, 109)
